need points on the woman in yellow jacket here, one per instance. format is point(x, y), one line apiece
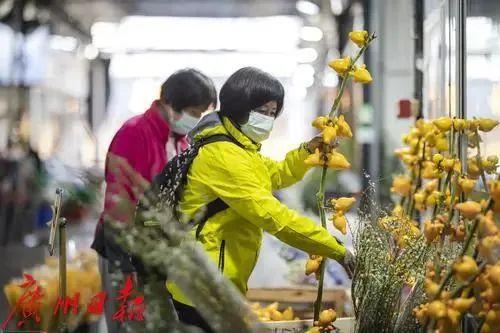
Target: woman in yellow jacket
point(245, 180)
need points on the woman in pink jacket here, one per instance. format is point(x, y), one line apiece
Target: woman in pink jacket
point(146, 142)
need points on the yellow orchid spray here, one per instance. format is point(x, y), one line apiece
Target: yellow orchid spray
point(333, 127)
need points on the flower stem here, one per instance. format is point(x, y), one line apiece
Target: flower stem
point(480, 165)
point(320, 196)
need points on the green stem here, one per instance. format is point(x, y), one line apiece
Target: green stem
point(320, 196)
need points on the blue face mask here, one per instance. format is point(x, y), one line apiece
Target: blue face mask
point(258, 127)
point(184, 124)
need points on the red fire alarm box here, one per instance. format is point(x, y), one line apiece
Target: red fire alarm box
point(405, 108)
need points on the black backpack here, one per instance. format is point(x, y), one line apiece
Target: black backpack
point(167, 187)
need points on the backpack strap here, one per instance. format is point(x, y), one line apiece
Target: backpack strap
point(217, 138)
point(217, 205)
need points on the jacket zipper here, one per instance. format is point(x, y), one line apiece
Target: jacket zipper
point(222, 251)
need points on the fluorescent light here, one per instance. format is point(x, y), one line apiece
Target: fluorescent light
point(307, 55)
point(336, 6)
point(63, 43)
point(162, 64)
point(90, 52)
point(307, 7)
point(257, 34)
point(311, 34)
point(104, 35)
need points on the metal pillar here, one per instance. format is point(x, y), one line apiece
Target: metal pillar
point(461, 75)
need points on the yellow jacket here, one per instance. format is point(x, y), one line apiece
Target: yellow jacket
point(245, 181)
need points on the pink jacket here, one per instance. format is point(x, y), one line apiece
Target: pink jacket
point(142, 142)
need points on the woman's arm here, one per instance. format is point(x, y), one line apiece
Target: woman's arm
point(288, 171)
point(292, 169)
point(229, 172)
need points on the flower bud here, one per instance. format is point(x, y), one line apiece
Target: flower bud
point(362, 75)
point(359, 37)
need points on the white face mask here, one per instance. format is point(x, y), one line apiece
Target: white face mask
point(258, 126)
point(184, 124)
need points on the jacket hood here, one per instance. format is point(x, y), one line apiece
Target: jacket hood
point(213, 123)
point(212, 119)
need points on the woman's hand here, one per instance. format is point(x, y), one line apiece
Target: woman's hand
point(348, 262)
point(314, 144)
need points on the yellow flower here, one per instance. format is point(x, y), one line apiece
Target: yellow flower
point(443, 123)
point(432, 199)
point(436, 310)
point(409, 159)
point(437, 158)
point(442, 144)
point(490, 164)
point(401, 185)
point(430, 172)
point(459, 233)
point(465, 269)
point(337, 161)
point(419, 197)
point(459, 124)
point(341, 66)
point(494, 187)
point(420, 313)
point(469, 209)
point(312, 265)
point(315, 159)
point(320, 123)
point(462, 304)
point(466, 184)
point(344, 129)
point(329, 134)
point(472, 168)
point(340, 223)
point(431, 288)
point(276, 315)
point(448, 164)
point(359, 37)
point(288, 314)
point(487, 225)
point(432, 230)
point(343, 204)
point(431, 139)
point(362, 75)
point(326, 317)
point(487, 125)
point(431, 186)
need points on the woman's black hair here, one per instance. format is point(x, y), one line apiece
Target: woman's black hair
point(188, 87)
point(247, 89)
